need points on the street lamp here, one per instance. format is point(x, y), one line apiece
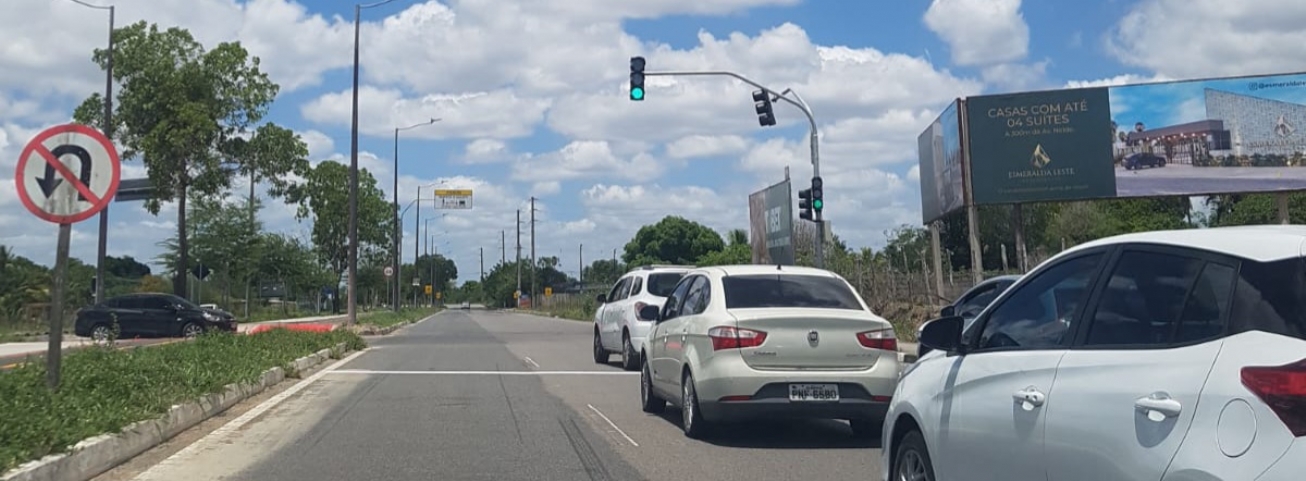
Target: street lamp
point(353, 173)
point(417, 224)
point(102, 243)
point(395, 191)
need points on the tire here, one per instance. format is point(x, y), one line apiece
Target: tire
point(601, 355)
point(629, 358)
point(866, 428)
point(691, 417)
point(191, 329)
point(101, 332)
point(912, 459)
point(649, 400)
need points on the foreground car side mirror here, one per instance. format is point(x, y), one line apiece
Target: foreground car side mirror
point(943, 334)
point(602, 298)
point(948, 311)
point(649, 313)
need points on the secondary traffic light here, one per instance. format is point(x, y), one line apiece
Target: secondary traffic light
point(762, 104)
point(818, 196)
point(637, 78)
point(805, 204)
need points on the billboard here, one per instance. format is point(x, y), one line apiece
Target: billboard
point(1185, 138)
point(771, 224)
point(939, 148)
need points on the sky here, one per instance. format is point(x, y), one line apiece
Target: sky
point(532, 97)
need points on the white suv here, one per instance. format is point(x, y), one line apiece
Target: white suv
point(617, 327)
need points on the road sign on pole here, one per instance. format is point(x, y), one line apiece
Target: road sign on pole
point(428, 289)
point(454, 198)
point(389, 271)
point(52, 190)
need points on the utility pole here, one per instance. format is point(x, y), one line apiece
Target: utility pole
point(580, 265)
point(519, 255)
point(249, 279)
point(503, 247)
point(533, 262)
point(482, 265)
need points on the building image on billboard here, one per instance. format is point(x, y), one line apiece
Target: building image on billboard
point(939, 148)
point(1210, 136)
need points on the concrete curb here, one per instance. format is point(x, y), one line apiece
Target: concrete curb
point(95, 455)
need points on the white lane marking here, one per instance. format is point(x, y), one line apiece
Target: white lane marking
point(488, 373)
point(532, 362)
point(223, 435)
point(614, 425)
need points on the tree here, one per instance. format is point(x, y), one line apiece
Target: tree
point(1253, 209)
point(125, 267)
point(673, 240)
point(151, 283)
point(601, 272)
point(324, 197)
point(187, 112)
point(739, 251)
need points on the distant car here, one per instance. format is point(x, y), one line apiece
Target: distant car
point(971, 303)
point(1140, 160)
point(144, 315)
point(467, 305)
point(617, 326)
point(761, 342)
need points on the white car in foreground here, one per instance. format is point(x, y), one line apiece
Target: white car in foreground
point(756, 341)
point(1174, 356)
point(617, 326)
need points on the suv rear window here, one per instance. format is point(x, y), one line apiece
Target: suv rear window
point(661, 284)
point(1271, 297)
point(788, 290)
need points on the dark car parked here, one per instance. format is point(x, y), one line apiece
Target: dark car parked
point(972, 302)
point(1143, 159)
point(150, 315)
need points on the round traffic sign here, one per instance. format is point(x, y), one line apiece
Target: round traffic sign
point(67, 173)
point(389, 271)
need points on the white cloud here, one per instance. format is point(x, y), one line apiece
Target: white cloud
point(694, 146)
point(581, 159)
point(980, 32)
point(497, 114)
point(485, 151)
point(320, 145)
point(1012, 77)
point(1125, 79)
point(1205, 38)
point(546, 188)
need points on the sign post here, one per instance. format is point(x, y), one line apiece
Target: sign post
point(66, 174)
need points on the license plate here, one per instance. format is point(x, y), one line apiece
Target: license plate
point(813, 392)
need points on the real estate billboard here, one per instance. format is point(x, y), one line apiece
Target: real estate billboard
point(771, 225)
point(1184, 138)
point(939, 148)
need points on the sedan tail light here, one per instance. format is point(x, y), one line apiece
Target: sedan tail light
point(1283, 389)
point(879, 339)
point(727, 337)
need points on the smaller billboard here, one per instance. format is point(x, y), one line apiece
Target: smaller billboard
point(771, 224)
point(941, 174)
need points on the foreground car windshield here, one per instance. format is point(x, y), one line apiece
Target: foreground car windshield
point(662, 284)
point(788, 290)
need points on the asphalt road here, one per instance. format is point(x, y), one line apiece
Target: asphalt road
point(477, 395)
point(1181, 179)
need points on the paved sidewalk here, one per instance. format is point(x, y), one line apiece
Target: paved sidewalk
point(19, 349)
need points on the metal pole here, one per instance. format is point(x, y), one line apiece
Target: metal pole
point(395, 194)
point(519, 256)
point(503, 247)
point(482, 265)
point(533, 261)
point(417, 231)
point(249, 276)
point(54, 351)
point(580, 265)
point(353, 183)
point(102, 245)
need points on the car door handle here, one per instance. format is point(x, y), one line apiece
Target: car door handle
point(1160, 403)
point(1030, 395)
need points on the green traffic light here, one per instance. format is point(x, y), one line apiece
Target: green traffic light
point(818, 204)
point(637, 93)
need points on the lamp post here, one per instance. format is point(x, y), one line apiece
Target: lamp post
point(103, 242)
point(398, 223)
point(352, 298)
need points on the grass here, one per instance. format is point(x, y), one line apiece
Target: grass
point(105, 389)
point(573, 312)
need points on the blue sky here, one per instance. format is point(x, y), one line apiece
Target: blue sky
point(532, 97)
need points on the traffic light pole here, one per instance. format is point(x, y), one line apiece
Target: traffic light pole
point(796, 101)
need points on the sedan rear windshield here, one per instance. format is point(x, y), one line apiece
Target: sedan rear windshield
point(788, 290)
point(1271, 297)
point(662, 284)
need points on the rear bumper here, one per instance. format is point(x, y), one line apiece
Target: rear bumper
point(772, 401)
point(863, 394)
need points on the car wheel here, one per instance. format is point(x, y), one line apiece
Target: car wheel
point(912, 462)
point(101, 332)
point(649, 401)
point(601, 355)
point(866, 428)
point(691, 417)
point(191, 329)
point(629, 359)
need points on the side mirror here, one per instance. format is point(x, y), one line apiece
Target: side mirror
point(649, 313)
point(602, 298)
point(948, 311)
point(943, 334)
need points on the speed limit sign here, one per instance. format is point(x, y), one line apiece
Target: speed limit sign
point(389, 271)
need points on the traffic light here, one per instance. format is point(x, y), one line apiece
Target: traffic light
point(805, 204)
point(637, 78)
point(762, 103)
point(818, 196)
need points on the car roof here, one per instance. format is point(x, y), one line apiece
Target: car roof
point(1262, 243)
point(755, 269)
point(658, 269)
